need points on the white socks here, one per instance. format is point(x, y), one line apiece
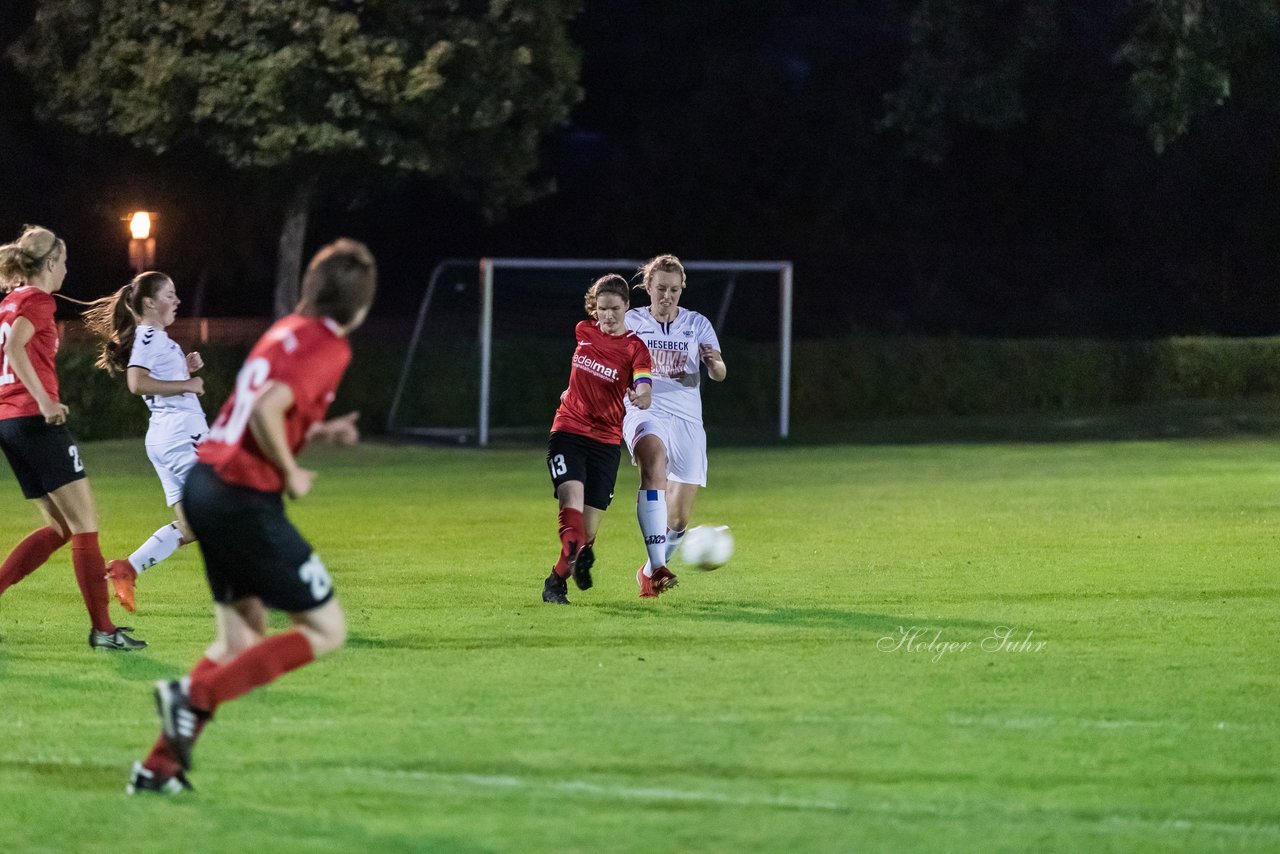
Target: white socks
point(673, 543)
point(651, 512)
point(162, 543)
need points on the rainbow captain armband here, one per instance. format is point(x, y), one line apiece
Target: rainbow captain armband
point(641, 377)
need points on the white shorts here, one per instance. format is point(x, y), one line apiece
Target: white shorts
point(174, 456)
point(686, 443)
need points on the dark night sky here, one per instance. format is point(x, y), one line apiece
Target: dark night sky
point(717, 134)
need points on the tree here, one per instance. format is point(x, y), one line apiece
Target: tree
point(965, 66)
point(1184, 55)
point(316, 94)
point(969, 62)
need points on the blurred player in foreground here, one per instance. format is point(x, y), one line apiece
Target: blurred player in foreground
point(254, 557)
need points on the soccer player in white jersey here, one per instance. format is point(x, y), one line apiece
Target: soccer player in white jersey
point(667, 440)
point(132, 322)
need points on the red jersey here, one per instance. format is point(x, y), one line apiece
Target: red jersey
point(604, 367)
point(38, 308)
point(309, 356)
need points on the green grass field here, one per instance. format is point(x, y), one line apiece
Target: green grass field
point(767, 706)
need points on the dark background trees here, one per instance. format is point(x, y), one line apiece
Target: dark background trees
point(932, 167)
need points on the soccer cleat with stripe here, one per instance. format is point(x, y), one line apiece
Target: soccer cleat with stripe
point(117, 640)
point(142, 779)
point(664, 579)
point(177, 719)
point(582, 567)
point(124, 581)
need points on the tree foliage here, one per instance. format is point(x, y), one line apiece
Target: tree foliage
point(969, 61)
point(965, 65)
point(316, 91)
point(1184, 54)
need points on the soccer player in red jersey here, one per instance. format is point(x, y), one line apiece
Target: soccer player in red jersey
point(609, 365)
point(254, 557)
point(34, 436)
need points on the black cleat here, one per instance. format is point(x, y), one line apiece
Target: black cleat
point(118, 639)
point(553, 590)
point(582, 567)
point(144, 780)
point(177, 719)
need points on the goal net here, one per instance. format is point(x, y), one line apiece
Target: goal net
point(489, 354)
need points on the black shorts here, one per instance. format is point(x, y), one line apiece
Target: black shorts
point(250, 547)
point(574, 457)
point(43, 456)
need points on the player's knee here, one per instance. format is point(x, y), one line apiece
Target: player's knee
point(327, 635)
point(653, 479)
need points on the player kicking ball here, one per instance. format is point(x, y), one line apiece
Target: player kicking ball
point(609, 365)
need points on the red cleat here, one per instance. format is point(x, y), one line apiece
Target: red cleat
point(124, 581)
point(664, 579)
point(646, 585)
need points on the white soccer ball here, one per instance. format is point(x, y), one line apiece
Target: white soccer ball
point(707, 547)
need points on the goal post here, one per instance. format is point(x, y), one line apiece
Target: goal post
point(487, 271)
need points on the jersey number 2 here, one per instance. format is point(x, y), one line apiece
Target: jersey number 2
point(315, 576)
point(6, 376)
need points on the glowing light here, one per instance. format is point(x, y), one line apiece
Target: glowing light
point(140, 225)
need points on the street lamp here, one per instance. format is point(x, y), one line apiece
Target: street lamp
point(142, 246)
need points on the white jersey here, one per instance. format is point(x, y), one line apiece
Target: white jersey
point(673, 349)
point(174, 417)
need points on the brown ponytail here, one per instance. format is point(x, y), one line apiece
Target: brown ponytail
point(114, 319)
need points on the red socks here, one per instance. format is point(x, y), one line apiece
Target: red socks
point(161, 759)
point(260, 664)
point(212, 684)
point(91, 575)
point(572, 536)
point(29, 555)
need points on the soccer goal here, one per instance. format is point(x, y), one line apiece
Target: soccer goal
point(489, 354)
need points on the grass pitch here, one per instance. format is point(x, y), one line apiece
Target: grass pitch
point(844, 684)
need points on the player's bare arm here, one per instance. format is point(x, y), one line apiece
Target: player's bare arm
point(15, 350)
point(194, 361)
point(266, 422)
point(140, 381)
point(711, 357)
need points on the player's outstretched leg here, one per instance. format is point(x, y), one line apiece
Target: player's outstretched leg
point(124, 573)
